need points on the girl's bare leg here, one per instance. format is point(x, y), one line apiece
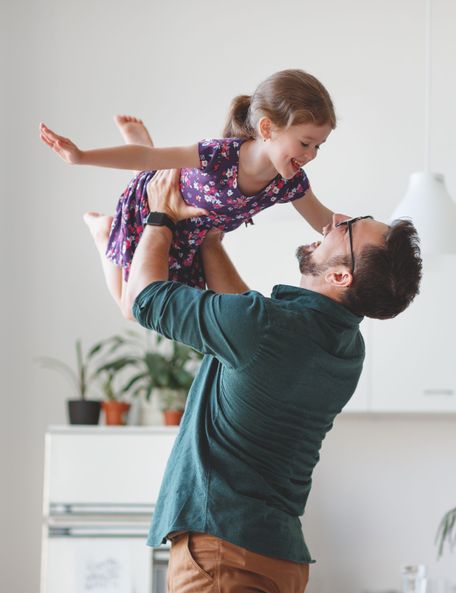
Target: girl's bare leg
point(99, 227)
point(133, 130)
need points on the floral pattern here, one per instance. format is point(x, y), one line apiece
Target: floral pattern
point(212, 187)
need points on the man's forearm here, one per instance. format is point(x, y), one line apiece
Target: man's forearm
point(221, 275)
point(150, 262)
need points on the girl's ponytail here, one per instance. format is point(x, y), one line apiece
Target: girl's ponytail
point(237, 123)
point(287, 98)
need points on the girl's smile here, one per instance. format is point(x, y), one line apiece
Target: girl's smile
point(291, 148)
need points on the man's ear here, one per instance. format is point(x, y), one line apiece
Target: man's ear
point(339, 277)
point(265, 128)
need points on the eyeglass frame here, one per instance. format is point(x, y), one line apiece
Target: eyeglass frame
point(349, 223)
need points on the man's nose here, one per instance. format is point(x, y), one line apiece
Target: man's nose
point(337, 218)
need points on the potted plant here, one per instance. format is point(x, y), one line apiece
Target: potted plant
point(160, 369)
point(80, 410)
point(115, 410)
point(172, 404)
point(174, 380)
point(135, 353)
point(447, 531)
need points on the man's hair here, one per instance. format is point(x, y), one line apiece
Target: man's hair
point(386, 278)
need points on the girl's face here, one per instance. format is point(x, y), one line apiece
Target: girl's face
point(291, 148)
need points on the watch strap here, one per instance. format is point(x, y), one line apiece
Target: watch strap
point(160, 219)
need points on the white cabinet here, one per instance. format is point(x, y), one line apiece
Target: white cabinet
point(410, 361)
point(100, 488)
point(106, 464)
point(414, 356)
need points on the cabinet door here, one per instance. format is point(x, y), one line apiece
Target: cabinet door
point(97, 565)
point(414, 355)
point(105, 466)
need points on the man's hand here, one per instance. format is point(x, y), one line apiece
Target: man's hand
point(67, 150)
point(164, 195)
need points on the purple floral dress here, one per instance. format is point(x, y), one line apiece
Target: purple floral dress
point(212, 187)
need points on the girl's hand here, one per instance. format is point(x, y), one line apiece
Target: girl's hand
point(67, 150)
point(164, 195)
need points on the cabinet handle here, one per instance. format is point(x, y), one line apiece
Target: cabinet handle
point(446, 392)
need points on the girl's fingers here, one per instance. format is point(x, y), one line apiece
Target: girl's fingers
point(48, 135)
point(52, 135)
point(45, 140)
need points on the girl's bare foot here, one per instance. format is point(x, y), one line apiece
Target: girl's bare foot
point(132, 130)
point(99, 227)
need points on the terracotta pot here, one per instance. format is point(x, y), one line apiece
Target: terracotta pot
point(115, 412)
point(173, 417)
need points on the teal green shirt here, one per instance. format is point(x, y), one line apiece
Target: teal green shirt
point(277, 372)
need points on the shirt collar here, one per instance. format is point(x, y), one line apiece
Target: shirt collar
point(314, 300)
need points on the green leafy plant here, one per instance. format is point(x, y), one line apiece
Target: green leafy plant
point(86, 371)
point(155, 362)
point(446, 532)
point(172, 399)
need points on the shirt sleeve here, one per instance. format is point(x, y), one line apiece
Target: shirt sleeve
point(227, 326)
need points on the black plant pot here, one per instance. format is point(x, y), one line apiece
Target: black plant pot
point(83, 411)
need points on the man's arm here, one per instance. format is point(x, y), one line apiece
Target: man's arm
point(150, 262)
point(208, 322)
point(219, 270)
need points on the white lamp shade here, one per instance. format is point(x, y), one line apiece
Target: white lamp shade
point(433, 212)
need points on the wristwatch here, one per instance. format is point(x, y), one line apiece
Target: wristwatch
point(160, 219)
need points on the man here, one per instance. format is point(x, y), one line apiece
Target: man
point(277, 372)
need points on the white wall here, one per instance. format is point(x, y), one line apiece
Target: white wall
point(177, 64)
point(379, 493)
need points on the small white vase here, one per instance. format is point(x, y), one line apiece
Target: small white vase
point(150, 412)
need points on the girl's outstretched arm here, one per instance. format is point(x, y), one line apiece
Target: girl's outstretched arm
point(132, 156)
point(310, 208)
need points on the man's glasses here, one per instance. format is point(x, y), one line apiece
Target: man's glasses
point(349, 223)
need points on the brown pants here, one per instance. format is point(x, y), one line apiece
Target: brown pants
point(202, 563)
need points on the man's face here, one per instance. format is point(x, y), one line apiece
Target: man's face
point(316, 258)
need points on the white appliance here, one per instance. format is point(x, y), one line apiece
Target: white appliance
point(100, 487)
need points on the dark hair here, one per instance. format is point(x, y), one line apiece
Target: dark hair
point(387, 278)
point(288, 97)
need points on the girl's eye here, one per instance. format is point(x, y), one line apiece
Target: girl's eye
point(317, 147)
point(304, 144)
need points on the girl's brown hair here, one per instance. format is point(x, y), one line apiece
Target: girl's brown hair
point(287, 98)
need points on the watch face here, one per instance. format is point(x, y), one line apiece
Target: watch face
point(160, 219)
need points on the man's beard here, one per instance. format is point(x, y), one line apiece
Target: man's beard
point(307, 266)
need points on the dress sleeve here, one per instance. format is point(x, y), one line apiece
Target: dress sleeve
point(227, 326)
point(295, 188)
point(216, 155)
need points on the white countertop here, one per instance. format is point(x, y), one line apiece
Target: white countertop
point(109, 430)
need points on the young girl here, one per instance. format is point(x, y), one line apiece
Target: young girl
point(268, 138)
